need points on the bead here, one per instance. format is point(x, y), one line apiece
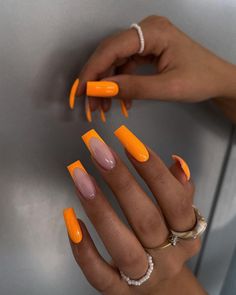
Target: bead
point(142, 280)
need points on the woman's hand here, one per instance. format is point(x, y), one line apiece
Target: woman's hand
point(184, 70)
point(150, 221)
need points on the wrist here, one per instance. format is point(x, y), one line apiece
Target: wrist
point(228, 87)
point(226, 94)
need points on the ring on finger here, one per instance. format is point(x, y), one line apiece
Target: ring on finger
point(144, 278)
point(170, 241)
point(196, 231)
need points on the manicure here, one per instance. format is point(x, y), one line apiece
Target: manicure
point(183, 165)
point(102, 88)
point(99, 150)
point(132, 144)
point(73, 93)
point(72, 225)
point(82, 180)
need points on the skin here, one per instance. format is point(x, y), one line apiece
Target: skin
point(184, 70)
point(149, 225)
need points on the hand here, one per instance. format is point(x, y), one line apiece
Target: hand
point(184, 70)
point(149, 221)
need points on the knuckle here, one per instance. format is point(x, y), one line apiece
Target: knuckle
point(184, 207)
point(164, 23)
point(158, 177)
point(131, 259)
point(123, 182)
point(149, 226)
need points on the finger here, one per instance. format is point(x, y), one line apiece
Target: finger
point(141, 212)
point(174, 201)
point(98, 272)
point(161, 86)
point(109, 52)
point(94, 103)
point(106, 104)
point(125, 250)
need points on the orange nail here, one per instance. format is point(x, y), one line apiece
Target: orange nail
point(102, 115)
point(124, 109)
point(72, 225)
point(102, 88)
point(132, 144)
point(87, 110)
point(183, 165)
point(72, 93)
point(76, 164)
point(88, 135)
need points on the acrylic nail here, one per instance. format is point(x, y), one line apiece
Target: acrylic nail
point(183, 165)
point(102, 88)
point(72, 225)
point(102, 115)
point(88, 110)
point(124, 109)
point(132, 144)
point(82, 180)
point(99, 150)
point(73, 93)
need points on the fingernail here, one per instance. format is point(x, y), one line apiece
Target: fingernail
point(102, 115)
point(124, 109)
point(99, 150)
point(132, 144)
point(88, 110)
point(102, 88)
point(82, 180)
point(183, 165)
point(72, 225)
point(72, 93)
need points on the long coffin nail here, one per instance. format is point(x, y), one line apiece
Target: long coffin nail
point(102, 88)
point(183, 165)
point(88, 110)
point(82, 180)
point(124, 109)
point(73, 93)
point(72, 225)
point(132, 144)
point(99, 150)
point(102, 115)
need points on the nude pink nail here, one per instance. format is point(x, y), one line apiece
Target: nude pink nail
point(84, 184)
point(102, 153)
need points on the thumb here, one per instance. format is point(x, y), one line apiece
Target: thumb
point(144, 87)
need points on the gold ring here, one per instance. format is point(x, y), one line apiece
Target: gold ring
point(171, 241)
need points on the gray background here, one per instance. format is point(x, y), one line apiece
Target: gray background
point(43, 44)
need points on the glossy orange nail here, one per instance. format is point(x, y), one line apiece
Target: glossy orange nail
point(73, 166)
point(72, 93)
point(72, 225)
point(183, 165)
point(132, 144)
point(124, 109)
point(102, 115)
point(102, 88)
point(87, 110)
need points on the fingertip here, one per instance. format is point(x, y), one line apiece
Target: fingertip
point(183, 165)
